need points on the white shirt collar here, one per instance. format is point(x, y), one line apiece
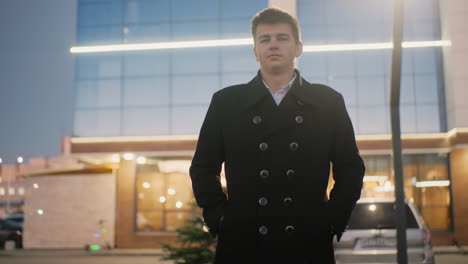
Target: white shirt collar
point(279, 95)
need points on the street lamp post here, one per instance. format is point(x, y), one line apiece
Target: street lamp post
point(400, 216)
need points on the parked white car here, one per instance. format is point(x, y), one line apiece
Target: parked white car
point(371, 235)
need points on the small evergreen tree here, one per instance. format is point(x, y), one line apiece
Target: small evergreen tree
point(196, 244)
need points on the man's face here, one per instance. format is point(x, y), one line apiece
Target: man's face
point(275, 47)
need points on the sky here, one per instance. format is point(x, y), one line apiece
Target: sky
point(36, 76)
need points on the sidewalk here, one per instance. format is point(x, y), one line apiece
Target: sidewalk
point(82, 252)
point(438, 250)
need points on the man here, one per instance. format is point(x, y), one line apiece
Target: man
point(276, 136)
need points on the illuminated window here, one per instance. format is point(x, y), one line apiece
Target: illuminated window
point(164, 195)
point(2, 191)
point(426, 183)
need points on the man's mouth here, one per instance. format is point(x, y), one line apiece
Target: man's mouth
point(274, 56)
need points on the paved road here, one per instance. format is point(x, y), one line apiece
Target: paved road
point(80, 257)
point(452, 259)
point(84, 260)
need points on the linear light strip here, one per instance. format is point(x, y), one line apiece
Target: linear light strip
point(87, 140)
point(374, 178)
point(240, 42)
point(423, 184)
point(162, 45)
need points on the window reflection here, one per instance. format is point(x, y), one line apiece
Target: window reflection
point(165, 196)
point(426, 184)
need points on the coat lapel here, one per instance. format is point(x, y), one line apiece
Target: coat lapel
point(260, 102)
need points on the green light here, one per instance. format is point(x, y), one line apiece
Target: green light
point(103, 230)
point(95, 247)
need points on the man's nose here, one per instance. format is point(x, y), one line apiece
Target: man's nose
point(273, 44)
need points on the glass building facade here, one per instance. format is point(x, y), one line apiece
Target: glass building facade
point(167, 92)
point(363, 77)
point(164, 92)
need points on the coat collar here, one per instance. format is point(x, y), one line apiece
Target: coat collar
point(302, 91)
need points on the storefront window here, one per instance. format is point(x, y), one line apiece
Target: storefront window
point(426, 183)
point(429, 181)
point(378, 181)
point(163, 194)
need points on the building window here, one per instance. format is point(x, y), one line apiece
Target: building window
point(2, 191)
point(426, 183)
point(163, 194)
point(429, 188)
point(363, 77)
point(116, 94)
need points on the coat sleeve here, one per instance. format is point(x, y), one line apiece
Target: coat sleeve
point(348, 171)
point(206, 167)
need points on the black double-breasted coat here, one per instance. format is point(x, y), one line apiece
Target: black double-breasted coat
point(277, 161)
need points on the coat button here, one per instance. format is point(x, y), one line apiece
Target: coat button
point(293, 146)
point(290, 173)
point(262, 201)
point(264, 174)
point(299, 119)
point(263, 230)
point(257, 120)
point(264, 146)
point(287, 201)
point(289, 229)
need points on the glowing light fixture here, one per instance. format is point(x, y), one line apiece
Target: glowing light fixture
point(424, 184)
point(375, 178)
point(36, 186)
point(248, 41)
point(421, 44)
point(20, 160)
point(95, 247)
point(387, 187)
point(162, 199)
point(141, 160)
point(146, 185)
point(129, 156)
point(372, 207)
point(163, 45)
point(115, 158)
point(1, 161)
point(179, 204)
point(171, 191)
point(346, 47)
point(40, 212)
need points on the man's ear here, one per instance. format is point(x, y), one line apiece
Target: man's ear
point(255, 53)
point(299, 49)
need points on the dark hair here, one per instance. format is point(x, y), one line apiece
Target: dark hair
point(274, 15)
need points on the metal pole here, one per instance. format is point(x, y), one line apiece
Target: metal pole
point(400, 216)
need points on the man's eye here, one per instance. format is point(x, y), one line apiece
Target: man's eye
point(264, 40)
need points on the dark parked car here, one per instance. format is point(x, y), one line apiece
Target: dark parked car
point(11, 231)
